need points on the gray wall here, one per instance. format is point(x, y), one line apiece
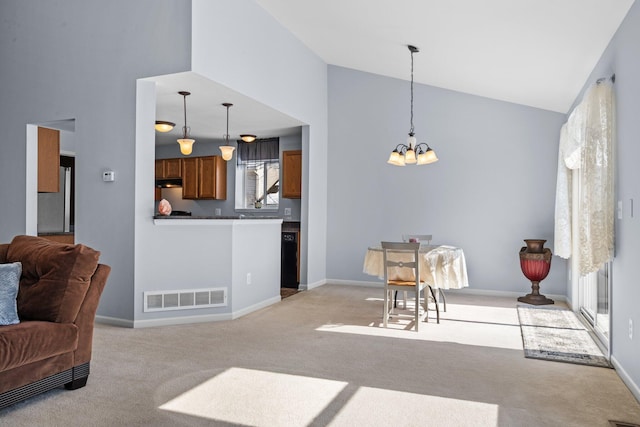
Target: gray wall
point(80, 59)
point(493, 186)
point(287, 77)
point(227, 207)
point(621, 58)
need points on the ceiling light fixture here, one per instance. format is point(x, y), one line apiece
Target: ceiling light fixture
point(411, 152)
point(227, 150)
point(186, 143)
point(163, 126)
point(248, 138)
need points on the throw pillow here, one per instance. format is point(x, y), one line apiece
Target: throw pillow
point(9, 280)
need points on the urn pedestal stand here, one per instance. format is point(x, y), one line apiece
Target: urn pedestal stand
point(535, 262)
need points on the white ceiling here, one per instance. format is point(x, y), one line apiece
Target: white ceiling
point(532, 52)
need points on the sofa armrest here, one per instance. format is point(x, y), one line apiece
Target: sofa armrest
point(4, 247)
point(86, 316)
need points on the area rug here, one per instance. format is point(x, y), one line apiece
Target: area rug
point(553, 333)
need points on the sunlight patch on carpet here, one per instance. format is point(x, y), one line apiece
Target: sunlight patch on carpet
point(374, 406)
point(557, 334)
point(252, 397)
point(495, 327)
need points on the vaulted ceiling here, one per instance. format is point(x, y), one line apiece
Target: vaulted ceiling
point(531, 52)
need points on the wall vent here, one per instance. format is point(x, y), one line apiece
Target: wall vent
point(184, 299)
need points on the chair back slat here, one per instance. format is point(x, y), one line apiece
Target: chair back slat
point(402, 248)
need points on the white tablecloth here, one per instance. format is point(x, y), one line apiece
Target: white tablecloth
point(442, 267)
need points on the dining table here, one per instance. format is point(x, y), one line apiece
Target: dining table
point(441, 266)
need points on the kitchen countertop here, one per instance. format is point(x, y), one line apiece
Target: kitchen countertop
point(214, 217)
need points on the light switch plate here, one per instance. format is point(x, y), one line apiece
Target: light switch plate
point(108, 176)
point(287, 211)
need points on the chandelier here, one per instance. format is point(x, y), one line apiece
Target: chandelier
point(412, 152)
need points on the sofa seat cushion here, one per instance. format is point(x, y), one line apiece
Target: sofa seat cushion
point(55, 277)
point(32, 341)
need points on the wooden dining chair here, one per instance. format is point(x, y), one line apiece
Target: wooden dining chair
point(402, 257)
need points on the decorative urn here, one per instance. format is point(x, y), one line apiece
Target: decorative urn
point(535, 262)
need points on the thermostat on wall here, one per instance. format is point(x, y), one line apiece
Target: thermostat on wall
point(108, 176)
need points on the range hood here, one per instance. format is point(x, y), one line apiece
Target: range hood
point(169, 183)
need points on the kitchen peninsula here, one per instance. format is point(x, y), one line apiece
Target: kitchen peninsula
point(237, 259)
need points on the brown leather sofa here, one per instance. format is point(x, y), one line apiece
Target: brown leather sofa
point(59, 291)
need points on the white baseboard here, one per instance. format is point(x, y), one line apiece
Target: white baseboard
point(470, 291)
point(633, 387)
point(114, 321)
point(308, 286)
point(184, 320)
point(254, 307)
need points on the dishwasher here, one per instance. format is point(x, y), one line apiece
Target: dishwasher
point(289, 260)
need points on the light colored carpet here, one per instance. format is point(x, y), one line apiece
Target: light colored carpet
point(321, 358)
point(553, 333)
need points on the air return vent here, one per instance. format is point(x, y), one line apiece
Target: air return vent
point(185, 299)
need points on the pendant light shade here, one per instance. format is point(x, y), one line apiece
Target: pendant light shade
point(227, 150)
point(412, 153)
point(186, 143)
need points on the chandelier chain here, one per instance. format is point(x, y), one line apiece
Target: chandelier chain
point(411, 130)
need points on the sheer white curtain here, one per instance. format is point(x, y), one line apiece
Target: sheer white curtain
point(586, 145)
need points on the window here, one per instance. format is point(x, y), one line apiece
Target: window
point(258, 175)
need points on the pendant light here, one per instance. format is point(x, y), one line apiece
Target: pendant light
point(248, 138)
point(227, 150)
point(186, 143)
point(412, 152)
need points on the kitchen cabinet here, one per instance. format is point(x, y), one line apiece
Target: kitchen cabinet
point(168, 168)
point(292, 174)
point(204, 178)
point(48, 160)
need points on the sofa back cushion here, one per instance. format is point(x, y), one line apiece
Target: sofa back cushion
point(55, 277)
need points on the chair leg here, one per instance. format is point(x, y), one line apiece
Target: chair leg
point(385, 314)
point(436, 302)
point(444, 299)
point(417, 307)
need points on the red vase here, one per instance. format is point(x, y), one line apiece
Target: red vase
point(535, 262)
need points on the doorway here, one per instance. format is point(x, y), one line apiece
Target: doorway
point(67, 153)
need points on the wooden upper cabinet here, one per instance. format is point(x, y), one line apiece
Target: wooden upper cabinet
point(172, 168)
point(213, 178)
point(168, 168)
point(204, 178)
point(48, 160)
point(190, 178)
point(292, 174)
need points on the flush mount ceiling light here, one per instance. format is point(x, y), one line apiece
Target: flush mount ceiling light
point(411, 152)
point(248, 138)
point(162, 126)
point(227, 150)
point(186, 143)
